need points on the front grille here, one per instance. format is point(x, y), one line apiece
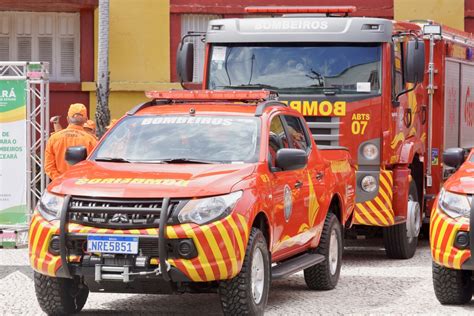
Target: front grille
point(325, 129)
point(117, 213)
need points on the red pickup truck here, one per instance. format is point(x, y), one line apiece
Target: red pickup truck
point(194, 191)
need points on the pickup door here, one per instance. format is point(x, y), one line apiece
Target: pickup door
point(295, 201)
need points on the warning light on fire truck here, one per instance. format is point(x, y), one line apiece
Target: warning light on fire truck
point(431, 29)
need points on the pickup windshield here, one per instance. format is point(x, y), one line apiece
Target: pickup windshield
point(182, 139)
point(297, 69)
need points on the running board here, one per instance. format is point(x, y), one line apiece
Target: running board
point(296, 264)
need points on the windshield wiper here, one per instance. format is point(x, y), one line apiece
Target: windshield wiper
point(112, 159)
point(251, 86)
point(186, 160)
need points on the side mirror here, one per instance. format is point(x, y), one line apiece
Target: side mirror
point(185, 62)
point(291, 159)
point(415, 62)
point(76, 154)
point(453, 157)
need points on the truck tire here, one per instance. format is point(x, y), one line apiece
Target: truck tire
point(59, 296)
point(325, 275)
point(247, 292)
point(397, 243)
point(452, 286)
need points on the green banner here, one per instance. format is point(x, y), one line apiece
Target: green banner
point(13, 186)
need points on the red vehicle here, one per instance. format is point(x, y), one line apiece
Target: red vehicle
point(451, 238)
point(194, 191)
point(360, 83)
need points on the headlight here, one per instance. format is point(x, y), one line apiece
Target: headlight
point(368, 184)
point(50, 206)
point(202, 211)
point(455, 205)
point(370, 151)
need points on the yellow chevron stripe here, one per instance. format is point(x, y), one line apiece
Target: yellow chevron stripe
point(457, 259)
point(151, 231)
point(216, 251)
point(37, 236)
point(359, 219)
point(436, 222)
point(33, 224)
point(377, 212)
point(388, 211)
point(244, 225)
point(238, 237)
point(228, 244)
point(51, 265)
point(449, 245)
point(202, 255)
point(440, 239)
point(390, 193)
point(367, 214)
point(386, 198)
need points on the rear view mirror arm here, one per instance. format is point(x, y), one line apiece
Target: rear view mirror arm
point(395, 100)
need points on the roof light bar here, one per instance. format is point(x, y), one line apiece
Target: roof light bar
point(206, 95)
point(302, 9)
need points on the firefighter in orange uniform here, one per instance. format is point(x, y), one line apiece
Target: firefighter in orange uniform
point(73, 135)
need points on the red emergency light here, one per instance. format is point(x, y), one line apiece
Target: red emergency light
point(206, 95)
point(302, 9)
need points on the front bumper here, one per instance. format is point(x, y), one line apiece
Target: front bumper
point(443, 231)
point(220, 249)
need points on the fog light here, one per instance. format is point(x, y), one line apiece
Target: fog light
point(186, 249)
point(368, 184)
point(462, 240)
point(54, 245)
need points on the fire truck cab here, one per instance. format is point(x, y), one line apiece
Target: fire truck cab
point(393, 93)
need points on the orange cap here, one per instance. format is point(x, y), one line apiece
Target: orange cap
point(112, 123)
point(89, 124)
point(77, 108)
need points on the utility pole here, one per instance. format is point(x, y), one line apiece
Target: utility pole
point(102, 114)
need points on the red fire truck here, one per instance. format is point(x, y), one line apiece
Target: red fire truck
point(395, 93)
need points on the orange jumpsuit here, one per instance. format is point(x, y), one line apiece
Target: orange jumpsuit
point(73, 135)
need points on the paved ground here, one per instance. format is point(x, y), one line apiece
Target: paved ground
point(369, 284)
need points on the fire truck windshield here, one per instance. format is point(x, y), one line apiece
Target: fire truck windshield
point(289, 68)
point(182, 139)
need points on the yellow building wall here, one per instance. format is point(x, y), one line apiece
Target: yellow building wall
point(447, 12)
point(139, 52)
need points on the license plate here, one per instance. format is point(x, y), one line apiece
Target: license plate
point(112, 244)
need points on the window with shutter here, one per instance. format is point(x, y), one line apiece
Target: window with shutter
point(67, 57)
point(5, 35)
point(4, 48)
point(45, 52)
point(43, 36)
point(24, 48)
point(196, 23)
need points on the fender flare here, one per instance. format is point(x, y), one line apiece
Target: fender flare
point(409, 148)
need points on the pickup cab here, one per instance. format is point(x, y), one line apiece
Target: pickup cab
point(194, 191)
point(451, 238)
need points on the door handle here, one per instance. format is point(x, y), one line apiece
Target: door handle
point(298, 184)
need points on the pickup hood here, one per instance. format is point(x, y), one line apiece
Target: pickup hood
point(123, 180)
point(463, 180)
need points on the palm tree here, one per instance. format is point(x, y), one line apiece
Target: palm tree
point(102, 114)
